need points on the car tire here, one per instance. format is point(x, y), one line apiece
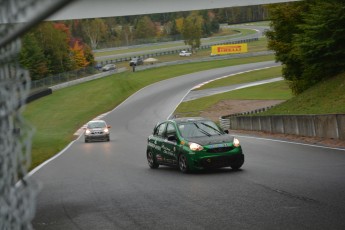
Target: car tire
point(237, 164)
point(183, 164)
point(86, 141)
point(151, 160)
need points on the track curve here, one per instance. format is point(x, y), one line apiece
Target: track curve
point(108, 185)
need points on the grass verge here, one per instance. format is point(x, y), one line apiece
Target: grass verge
point(326, 97)
point(271, 91)
point(245, 78)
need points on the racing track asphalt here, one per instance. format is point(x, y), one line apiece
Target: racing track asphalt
point(108, 185)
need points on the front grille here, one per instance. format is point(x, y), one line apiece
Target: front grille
point(220, 150)
point(215, 162)
point(221, 161)
point(97, 132)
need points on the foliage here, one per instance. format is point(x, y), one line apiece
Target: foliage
point(78, 55)
point(145, 28)
point(32, 57)
point(309, 39)
point(241, 14)
point(192, 30)
point(55, 45)
point(179, 24)
point(50, 49)
point(95, 29)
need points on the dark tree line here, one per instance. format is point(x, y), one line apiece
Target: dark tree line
point(309, 39)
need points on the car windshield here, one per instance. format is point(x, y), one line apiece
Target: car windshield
point(199, 129)
point(93, 125)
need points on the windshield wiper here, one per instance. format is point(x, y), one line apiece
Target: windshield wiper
point(203, 131)
point(209, 126)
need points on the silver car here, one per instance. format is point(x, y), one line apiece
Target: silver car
point(97, 130)
point(108, 67)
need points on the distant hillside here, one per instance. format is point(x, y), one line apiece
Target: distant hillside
point(327, 97)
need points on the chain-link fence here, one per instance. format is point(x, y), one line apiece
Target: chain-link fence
point(17, 192)
point(62, 77)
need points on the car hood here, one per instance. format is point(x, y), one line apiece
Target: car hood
point(218, 139)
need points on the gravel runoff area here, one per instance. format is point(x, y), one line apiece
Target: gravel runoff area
point(226, 107)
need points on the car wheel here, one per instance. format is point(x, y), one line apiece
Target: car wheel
point(151, 160)
point(86, 141)
point(237, 164)
point(182, 164)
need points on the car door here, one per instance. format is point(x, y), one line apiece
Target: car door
point(169, 146)
point(157, 140)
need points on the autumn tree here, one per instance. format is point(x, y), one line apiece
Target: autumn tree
point(77, 55)
point(179, 24)
point(192, 30)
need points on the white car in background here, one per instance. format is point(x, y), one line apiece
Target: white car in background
point(184, 53)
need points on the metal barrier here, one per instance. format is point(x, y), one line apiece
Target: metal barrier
point(324, 126)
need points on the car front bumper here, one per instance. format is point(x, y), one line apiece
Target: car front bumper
point(97, 137)
point(214, 160)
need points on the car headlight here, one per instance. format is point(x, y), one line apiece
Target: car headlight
point(195, 147)
point(236, 142)
point(87, 132)
point(106, 130)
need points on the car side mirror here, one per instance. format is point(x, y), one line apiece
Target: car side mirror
point(172, 138)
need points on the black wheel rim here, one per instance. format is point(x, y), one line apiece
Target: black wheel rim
point(183, 163)
point(150, 158)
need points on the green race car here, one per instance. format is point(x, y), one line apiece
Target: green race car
point(192, 144)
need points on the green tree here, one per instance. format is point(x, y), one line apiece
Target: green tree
point(145, 28)
point(32, 57)
point(309, 39)
point(285, 19)
point(54, 44)
point(192, 30)
point(321, 45)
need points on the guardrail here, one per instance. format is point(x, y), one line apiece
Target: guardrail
point(324, 126)
point(222, 57)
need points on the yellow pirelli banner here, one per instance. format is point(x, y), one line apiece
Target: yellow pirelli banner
point(229, 49)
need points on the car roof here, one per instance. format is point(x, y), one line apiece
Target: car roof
point(188, 119)
point(94, 121)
